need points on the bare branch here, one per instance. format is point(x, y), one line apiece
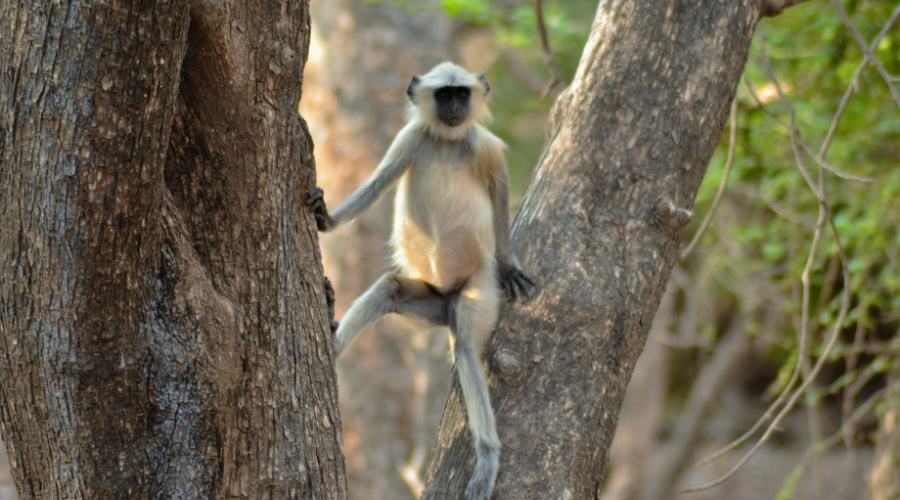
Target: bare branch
point(762, 105)
point(854, 82)
point(555, 74)
point(826, 166)
point(869, 52)
point(731, 138)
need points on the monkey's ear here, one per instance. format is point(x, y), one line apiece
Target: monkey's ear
point(411, 90)
point(483, 80)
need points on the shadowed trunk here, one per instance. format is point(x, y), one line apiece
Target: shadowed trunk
point(599, 228)
point(163, 330)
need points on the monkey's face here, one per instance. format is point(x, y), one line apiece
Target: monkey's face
point(453, 105)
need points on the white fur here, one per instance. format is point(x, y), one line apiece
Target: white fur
point(423, 112)
point(444, 225)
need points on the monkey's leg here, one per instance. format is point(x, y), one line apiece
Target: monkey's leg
point(391, 294)
point(471, 322)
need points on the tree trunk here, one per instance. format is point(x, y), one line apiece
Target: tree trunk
point(599, 228)
point(162, 318)
point(643, 410)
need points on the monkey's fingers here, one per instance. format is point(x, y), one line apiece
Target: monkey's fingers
point(329, 298)
point(316, 195)
point(507, 287)
point(523, 283)
point(528, 279)
point(510, 285)
point(521, 286)
point(329, 302)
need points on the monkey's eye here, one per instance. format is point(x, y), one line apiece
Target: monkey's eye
point(463, 92)
point(441, 93)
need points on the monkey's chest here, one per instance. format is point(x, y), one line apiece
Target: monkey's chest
point(440, 199)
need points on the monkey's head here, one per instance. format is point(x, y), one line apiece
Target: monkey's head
point(449, 99)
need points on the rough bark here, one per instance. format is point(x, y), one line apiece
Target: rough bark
point(163, 331)
point(600, 227)
point(391, 396)
point(643, 410)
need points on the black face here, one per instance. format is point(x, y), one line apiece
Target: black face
point(452, 104)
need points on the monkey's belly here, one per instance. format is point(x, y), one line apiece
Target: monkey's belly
point(443, 227)
point(447, 263)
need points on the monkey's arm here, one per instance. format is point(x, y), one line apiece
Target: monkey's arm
point(513, 279)
point(385, 176)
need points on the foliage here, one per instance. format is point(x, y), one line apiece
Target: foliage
point(765, 226)
point(815, 58)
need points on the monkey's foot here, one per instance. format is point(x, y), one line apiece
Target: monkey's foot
point(316, 201)
point(515, 282)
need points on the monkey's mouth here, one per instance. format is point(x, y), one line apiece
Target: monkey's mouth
point(453, 120)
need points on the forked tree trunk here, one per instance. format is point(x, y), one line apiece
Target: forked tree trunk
point(599, 228)
point(163, 330)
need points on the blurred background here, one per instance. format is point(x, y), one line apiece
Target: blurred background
point(762, 309)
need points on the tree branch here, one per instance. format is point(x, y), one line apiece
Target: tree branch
point(869, 51)
point(771, 8)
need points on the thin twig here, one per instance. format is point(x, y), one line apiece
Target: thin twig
point(556, 77)
point(761, 105)
point(416, 363)
point(860, 412)
point(833, 170)
point(731, 138)
point(853, 85)
point(770, 412)
point(869, 52)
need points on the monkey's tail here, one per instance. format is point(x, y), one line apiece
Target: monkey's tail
point(481, 422)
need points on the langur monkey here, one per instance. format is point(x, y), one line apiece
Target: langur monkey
point(450, 237)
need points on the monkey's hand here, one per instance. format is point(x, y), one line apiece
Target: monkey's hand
point(316, 201)
point(513, 279)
